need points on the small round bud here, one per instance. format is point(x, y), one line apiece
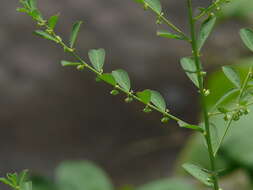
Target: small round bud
point(147, 109)
point(80, 67)
point(59, 39)
point(165, 119)
point(227, 117)
point(206, 92)
point(128, 99)
point(114, 92)
point(98, 79)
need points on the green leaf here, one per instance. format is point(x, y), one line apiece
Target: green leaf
point(199, 173)
point(68, 63)
point(97, 58)
point(32, 4)
point(74, 33)
point(158, 100)
point(247, 37)
point(205, 30)
point(225, 97)
point(45, 35)
point(165, 34)
point(108, 78)
point(26, 186)
point(36, 15)
point(145, 96)
point(232, 75)
point(22, 10)
point(122, 78)
point(53, 21)
point(189, 126)
point(167, 184)
point(190, 69)
point(22, 177)
point(80, 175)
point(5, 181)
point(155, 5)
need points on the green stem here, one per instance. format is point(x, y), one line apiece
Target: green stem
point(126, 92)
point(209, 9)
point(245, 83)
point(202, 96)
point(223, 136)
point(169, 23)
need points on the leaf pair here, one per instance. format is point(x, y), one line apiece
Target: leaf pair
point(154, 97)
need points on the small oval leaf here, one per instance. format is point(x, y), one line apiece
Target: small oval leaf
point(45, 35)
point(74, 33)
point(145, 96)
point(68, 63)
point(247, 37)
point(97, 58)
point(122, 78)
point(205, 30)
point(189, 126)
point(232, 75)
point(108, 78)
point(199, 173)
point(225, 97)
point(53, 21)
point(158, 100)
point(190, 69)
point(165, 34)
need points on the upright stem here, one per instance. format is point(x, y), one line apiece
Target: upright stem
point(207, 133)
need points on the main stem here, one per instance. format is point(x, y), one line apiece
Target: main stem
point(207, 133)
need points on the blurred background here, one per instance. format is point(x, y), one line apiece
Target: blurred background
point(50, 114)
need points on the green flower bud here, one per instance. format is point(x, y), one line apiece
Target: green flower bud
point(147, 109)
point(165, 119)
point(80, 67)
point(128, 99)
point(114, 92)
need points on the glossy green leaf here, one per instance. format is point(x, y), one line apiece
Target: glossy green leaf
point(232, 75)
point(190, 69)
point(167, 184)
point(68, 63)
point(26, 186)
point(205, 30)
point(247, 37)
point(45, 35)
point(97, 58)
point(122, 78)
point(53, 21)
point(80, 175)
point(74, 33)
point(189, 126)
point(108, 78)
point(32, 4)
point(225, 96)
point(158, 100)
point(165, 34)
point(199, 173)
point(145, 96)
